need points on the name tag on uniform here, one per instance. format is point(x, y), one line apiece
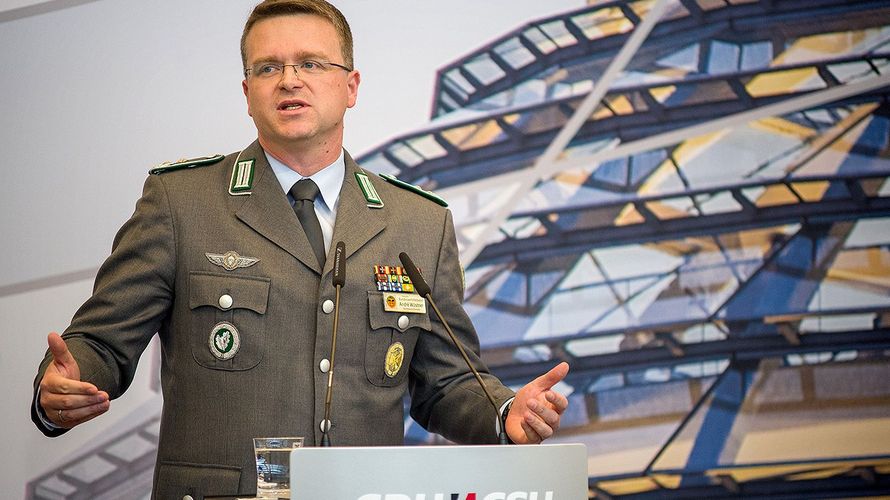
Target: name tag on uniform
point(404, 303)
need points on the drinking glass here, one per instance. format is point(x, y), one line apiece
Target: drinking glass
point(273, 465)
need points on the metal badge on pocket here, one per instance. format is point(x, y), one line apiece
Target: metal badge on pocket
point(224, 341)
point(394, 357)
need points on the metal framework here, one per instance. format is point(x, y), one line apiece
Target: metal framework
point(121, 466)
point(515, 135)
point(589, 37)
point(757, 256)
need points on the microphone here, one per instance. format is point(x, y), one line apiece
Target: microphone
point(339, 281)
point(340, 265)
point(424, 290)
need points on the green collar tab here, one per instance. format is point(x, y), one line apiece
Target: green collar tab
point(170, 166)
point(371, 196)
point(242, 177)
point(415, 189)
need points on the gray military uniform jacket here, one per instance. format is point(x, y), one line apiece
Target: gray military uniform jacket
point(158, 278)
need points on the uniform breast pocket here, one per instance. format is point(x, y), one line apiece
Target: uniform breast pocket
point(390, 344)
point(228, 327)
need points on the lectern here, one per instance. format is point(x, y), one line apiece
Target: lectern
point(536, 472)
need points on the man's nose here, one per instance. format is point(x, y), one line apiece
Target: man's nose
point(290, 76)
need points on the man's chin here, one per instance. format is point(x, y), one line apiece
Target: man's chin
point(291, 136)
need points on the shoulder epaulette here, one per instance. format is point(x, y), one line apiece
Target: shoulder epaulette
point(414, 189)
point(170, 166)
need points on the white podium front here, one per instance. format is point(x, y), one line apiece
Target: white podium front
point(537, 472)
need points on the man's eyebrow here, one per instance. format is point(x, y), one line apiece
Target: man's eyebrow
point(262, 60)
point(302, 56)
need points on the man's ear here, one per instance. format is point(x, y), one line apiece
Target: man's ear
point(246, 95)
point(352, 82)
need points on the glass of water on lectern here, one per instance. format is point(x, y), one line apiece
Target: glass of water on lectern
point(273, 465)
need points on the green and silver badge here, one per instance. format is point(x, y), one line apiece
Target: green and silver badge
point(242, 177)
point(368, 190)
point(224, 341)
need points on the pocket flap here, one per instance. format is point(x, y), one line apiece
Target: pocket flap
point(380, 318)
point(176, 479)
point(244, 292)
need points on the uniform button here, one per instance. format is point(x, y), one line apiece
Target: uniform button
point(225, 301)
point(327, 306)
point(324, 425)
point(324, 365)
point(403, 322)
point(187, 497)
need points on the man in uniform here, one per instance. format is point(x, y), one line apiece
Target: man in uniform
point(221, 260)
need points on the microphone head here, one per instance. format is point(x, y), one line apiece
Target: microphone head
point(340, 265)
point(416, 278)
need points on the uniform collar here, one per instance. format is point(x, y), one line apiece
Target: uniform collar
point(329, 179)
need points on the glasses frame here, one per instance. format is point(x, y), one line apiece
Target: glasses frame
point(248, 71)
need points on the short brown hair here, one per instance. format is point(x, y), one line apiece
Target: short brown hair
point(274, 8)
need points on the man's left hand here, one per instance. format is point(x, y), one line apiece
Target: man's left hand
point(537, 408)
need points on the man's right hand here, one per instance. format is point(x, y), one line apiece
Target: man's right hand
point(66, 400)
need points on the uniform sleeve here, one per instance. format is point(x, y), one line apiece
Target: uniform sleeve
point(446, 397)
point(131, 297)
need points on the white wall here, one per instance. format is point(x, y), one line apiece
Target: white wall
point(96, 93)
point(18, 9)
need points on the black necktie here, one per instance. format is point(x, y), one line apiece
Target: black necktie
point(304, 193)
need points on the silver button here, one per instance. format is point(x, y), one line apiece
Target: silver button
point(403, 322)
point(188, 497)
point(324, 425)
point(324, 365)
point(327, 306)
point(225, 301)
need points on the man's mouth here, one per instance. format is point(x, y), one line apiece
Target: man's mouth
point(290, 106)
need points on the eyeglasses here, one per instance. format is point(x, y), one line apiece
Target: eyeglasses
point(274, 70)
